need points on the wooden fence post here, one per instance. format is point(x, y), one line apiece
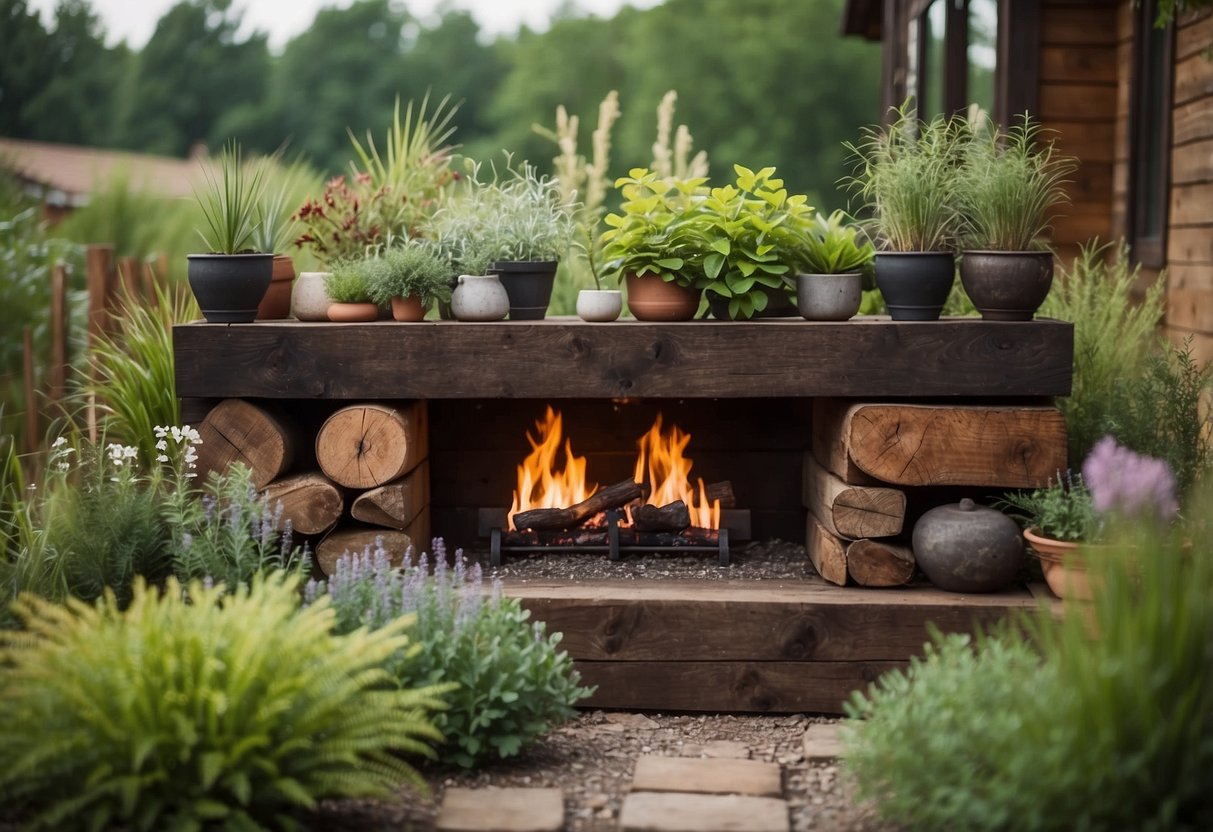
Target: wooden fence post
point(99, 263)
point(128, 271)
point(58, 369)
point(31, 394)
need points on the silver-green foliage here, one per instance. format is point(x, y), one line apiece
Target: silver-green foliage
point(906, 175)
point(511, 681)
point(231, 201)
point(198, 708)
point(347, 283)
point(413, 269)
point(1009, 182)
point(1102, 721)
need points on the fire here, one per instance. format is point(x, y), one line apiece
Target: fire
point(540, 485)
point(662, 464)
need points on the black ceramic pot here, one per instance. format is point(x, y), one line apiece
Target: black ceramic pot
point(1007, 285)
point(529, 286)
point(915, 284)
point(229, 287)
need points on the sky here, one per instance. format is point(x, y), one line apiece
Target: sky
point(134, 20)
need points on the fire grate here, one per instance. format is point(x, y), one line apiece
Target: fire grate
point(612, 539)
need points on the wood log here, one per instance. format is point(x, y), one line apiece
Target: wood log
point(827, 553)
point(997, 446)
point(238, 431)
point(829, 447)
point(722, 491)
point(880, 563)
point(672, 517)
point(311, 501)
point(852, 511)
point(358, 539)
point(613, 496)
point(369, 445)
point(396, 504)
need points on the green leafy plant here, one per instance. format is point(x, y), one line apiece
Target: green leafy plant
point(513, 683)
point(1009, 182)
point(906, 175)
point(1061, 511)
point(348, 283)
point(231, 201)
point(413, 269)
point(198, 708)
point(651, 232)
point(830, 245)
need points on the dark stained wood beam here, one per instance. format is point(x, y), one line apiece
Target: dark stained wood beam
point(570, 359)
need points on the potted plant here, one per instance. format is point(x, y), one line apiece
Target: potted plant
point(350, 292)
point(832, 260)
point(230, 280)
point(595, 305)
point(275, 231)
point(906, 174)
point(409, 278)
point(742, 237)
point(647, 245)
point(1067, 520)
point(1009, 182)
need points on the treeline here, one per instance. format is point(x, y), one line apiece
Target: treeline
point(762, 82)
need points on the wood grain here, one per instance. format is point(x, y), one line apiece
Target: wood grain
point(851, 511)
point(356, 540)
point(239, 431)
point(880, 563)
point(372, 444)
point(827, 552)
point(455, 360)
point(397, 503)
point(310, 501)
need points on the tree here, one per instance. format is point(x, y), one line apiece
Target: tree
point(24, 65)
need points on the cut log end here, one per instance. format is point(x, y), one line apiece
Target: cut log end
point(311, 502)
point(879, 563)
point(239, 431)
point(826, 552)
point(356, 541)
point(369, 445)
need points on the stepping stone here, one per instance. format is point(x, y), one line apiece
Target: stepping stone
point(821, 742)
point(730, 749)
point(711, 776)
point(654, 812)
point(635, 722)
point(501, 810)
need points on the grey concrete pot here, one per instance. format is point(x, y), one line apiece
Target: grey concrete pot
point(829, 297)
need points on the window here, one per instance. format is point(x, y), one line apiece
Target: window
point(1150, 156)
point(952, 54)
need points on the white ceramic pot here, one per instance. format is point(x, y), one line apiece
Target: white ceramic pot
point(599, 305)
point(479, 298)
point(828, 297)
point(309, 299)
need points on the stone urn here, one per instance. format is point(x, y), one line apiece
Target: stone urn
point(309, 299)
point(964, 547)
point(479, 298)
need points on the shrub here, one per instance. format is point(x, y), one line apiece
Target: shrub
point(199, 708)
point(513, 682)
point(1105, 723)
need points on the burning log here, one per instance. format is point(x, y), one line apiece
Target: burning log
point(614, 496)
point(673, 517)
point(722, 491)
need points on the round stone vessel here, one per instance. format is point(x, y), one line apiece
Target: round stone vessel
point(964, 547)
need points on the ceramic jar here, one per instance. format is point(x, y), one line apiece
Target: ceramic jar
point(479, 298)
point(599, 305)
point(309, 299)
point(964, 547)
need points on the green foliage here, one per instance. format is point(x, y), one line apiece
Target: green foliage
point(287, 186)
point(348, 283)
point(745, 236)
point(1104, 723)
point(413, 269)
point(1113, 336)
point(1063, 510)
point(511, 682)
point(198, 708)
point(652, 233)
point(228, 533)
point(1009, 181)
point(231, 202)
point(832, 246)
point(906, 174)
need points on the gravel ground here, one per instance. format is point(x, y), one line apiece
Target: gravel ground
point(591, 758)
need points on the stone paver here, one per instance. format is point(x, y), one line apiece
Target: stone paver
point(730, 749)
point(657, 812)
point(501, 810)
point(710, 776)
point(634, 722)
point(821, 742)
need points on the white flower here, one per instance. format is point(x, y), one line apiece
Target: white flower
point(162, 445)
point(161, 458)
point(160, 431)
point(60, 442)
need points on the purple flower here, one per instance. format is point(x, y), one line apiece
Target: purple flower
point(1127, 483)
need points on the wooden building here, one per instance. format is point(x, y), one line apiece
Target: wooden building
point(1133, 102)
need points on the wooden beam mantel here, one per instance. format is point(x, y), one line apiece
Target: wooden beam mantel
point(571, 359)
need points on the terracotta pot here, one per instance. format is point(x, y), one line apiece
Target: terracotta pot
point(1007, 285)
point(409, 309)
point(652, 299)
point(277, 301)
point(353, 313)
point(1063, 564)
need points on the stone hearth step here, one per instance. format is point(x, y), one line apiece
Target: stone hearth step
point(682, 812)
point(707, 776)
point(821, 742)
point(501, 810)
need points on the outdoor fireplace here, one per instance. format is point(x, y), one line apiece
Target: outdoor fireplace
point(558, 506)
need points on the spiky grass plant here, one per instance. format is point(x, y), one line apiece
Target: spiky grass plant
point(198, 708)
point(287, 186)
point(906, 176)
point(230, 199)
point(1010, 180)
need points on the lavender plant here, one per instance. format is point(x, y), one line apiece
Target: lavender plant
point(511, 682)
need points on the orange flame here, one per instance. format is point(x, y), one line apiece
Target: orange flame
point(540, 485)
point(662, 464)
